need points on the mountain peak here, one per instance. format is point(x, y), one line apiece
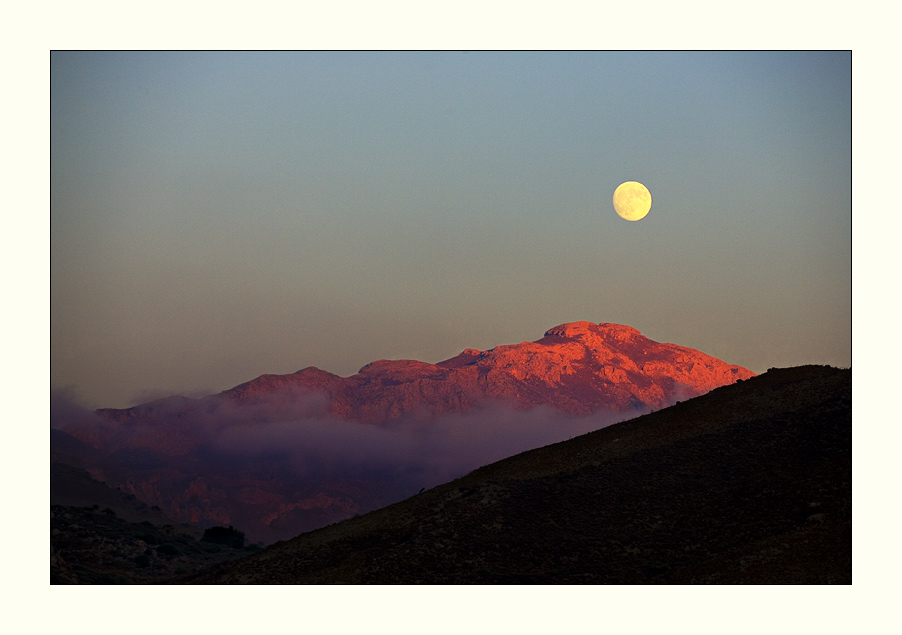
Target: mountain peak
point(576, 330)
point(577, 367)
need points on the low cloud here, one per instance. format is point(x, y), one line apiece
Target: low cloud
point(65, 409)
point(408, 454)
point(286, 442)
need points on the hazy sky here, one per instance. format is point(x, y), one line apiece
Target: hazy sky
point(216, 216)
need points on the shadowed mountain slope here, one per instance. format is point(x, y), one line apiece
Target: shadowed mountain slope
point(750, 483)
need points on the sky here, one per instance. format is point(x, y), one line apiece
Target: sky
point(218, 216)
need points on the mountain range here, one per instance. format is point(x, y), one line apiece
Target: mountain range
point(283, 454)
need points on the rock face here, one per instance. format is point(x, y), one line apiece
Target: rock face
point(161, 451)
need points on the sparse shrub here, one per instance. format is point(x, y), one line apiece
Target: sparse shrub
point(168, 549)
point(109, 511)
point(149, 538)
point(224, 536)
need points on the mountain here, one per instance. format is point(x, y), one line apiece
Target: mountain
point(283, 454)
point(750, 483)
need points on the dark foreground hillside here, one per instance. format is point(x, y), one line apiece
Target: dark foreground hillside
point(751, 483)
point(89, 545)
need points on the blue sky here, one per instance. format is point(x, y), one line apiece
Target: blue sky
point(216, 216)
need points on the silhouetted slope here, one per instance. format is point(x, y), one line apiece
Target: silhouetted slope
point(750, 483)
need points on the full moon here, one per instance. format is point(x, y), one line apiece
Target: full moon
point(632, 200)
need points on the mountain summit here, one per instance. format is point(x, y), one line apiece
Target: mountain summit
point(282, 454)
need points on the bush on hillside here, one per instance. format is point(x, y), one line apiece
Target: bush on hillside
point(224, 536)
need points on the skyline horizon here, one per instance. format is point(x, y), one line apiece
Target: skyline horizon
point(217, 216)
point(152, 395)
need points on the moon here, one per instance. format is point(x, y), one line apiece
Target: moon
point(632, 200)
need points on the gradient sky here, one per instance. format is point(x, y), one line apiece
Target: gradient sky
point(217, 216)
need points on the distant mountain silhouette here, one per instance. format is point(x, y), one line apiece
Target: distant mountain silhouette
point(283, 454)
point(750, 483)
